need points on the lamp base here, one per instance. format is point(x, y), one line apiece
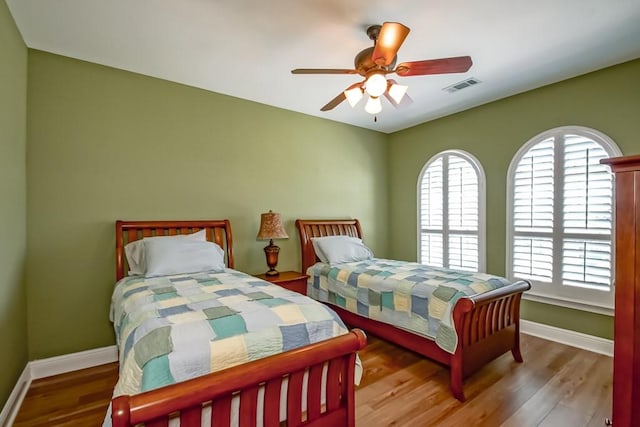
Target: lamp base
point(271, 252)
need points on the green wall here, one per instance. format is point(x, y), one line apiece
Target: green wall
point(13, 203)
point(606, 100)
point(106, 144)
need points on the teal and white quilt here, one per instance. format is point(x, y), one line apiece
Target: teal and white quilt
point(408, 295)
point(173, 328)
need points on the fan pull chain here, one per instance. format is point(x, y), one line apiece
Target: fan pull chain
point(375, 119)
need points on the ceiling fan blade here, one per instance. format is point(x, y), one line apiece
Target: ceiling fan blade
point(458, 64)
point(322, 71)
point(334, 102)
point(391, 37)
point(338, 99)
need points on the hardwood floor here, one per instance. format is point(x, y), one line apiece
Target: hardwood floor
point(78, 398)
point(556, 385)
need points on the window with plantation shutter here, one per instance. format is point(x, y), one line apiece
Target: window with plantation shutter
point(560, 218)
point(451, 212)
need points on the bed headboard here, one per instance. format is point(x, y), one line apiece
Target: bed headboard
point(218, 231)
point(308, 228)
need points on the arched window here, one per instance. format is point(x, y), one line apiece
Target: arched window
point(451, 200)
point(560, 217)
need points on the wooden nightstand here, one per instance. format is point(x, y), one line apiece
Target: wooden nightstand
point(292, 280)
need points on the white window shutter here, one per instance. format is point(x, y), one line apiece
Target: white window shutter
point(462, 198)
point(432, 195)
point(462, 195)
point(533, 190)
point(587, 215)
point(432, 214)
point(432, 249)
point(588, 188)
point(463, 252)
point(533, 258)
point(449, 213)
point(586, 263)
point(561, 215)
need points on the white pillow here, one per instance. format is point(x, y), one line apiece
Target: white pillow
point(316, 248)
point(165, 257)
point(135, 252)
point(341, 249)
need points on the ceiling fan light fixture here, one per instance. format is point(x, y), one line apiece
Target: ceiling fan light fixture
point(353, 95)
point(375, 85)
point(375, 63)
point(374, 106)
point(397, 92)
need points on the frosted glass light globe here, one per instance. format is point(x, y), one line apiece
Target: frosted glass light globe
point(376, 85)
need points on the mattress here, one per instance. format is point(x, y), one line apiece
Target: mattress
point(408, 295)
point(173, 328)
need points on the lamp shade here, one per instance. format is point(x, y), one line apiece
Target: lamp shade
point(373, 106)
point(353, 95)
point(271, 227)
point(396, 92)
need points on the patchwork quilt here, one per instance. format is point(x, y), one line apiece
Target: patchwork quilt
point(174, 328)
point(408, 295)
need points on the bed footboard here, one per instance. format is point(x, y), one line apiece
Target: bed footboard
point(213, 393)
point(487, 325)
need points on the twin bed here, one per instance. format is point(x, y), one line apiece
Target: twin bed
point(204, 344)
point(462, 320)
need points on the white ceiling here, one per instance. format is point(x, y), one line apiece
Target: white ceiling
point(247, 48)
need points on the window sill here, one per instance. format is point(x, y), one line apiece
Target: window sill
point(576, 305)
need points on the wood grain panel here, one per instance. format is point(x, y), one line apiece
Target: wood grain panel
point(626, 371)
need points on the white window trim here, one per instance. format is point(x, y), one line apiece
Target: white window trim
point(482, 198)
point(538, 292)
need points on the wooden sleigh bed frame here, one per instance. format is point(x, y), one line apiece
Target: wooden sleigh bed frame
point(487, 325)
point(189, 400)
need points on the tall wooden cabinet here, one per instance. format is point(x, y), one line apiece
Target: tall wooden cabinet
point(626, 353)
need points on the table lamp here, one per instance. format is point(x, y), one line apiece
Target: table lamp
point(271, 228)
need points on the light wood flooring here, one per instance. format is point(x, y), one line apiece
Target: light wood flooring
point(556, 386)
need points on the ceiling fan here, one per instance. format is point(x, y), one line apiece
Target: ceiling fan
point(375, 62)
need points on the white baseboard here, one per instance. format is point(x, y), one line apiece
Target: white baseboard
point(10, 409)
point(565, 336)
point(73, 362)
point(53, 366)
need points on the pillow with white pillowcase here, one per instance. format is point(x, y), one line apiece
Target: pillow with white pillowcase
point(316, 248)
point(340, 249)
point(135, 252)
point(167, 257)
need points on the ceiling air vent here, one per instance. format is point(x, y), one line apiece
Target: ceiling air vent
point(461, 85)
